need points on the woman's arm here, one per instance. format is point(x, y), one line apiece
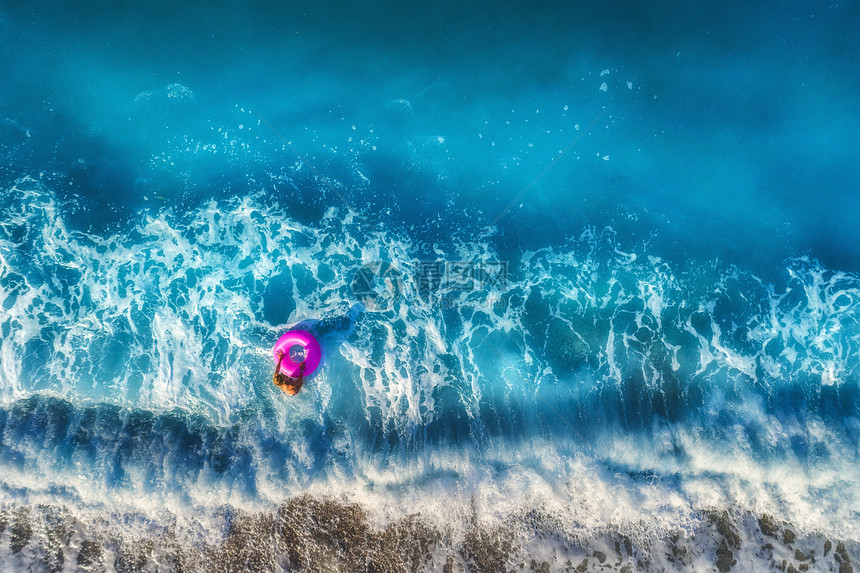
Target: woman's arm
point(280, 359)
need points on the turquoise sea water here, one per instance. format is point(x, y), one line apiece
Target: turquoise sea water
point(596, 262)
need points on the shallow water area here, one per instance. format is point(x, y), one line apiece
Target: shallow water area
point(586, 279)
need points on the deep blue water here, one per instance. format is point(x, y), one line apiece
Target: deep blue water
point(620, 239)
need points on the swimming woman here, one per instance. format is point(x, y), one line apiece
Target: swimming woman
point(286, 383)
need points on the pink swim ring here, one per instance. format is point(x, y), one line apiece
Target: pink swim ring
point(313, 352)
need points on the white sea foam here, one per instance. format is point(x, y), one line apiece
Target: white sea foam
point(171, 314)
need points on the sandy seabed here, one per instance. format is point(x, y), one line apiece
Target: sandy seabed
point(323, 534)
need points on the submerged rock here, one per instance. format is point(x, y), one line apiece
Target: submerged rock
point(768, 525)
point(90, 554)
point(726, 528)
point(488, 548)
point(133, 556)
point(725, 557)
point(841, 556)
point(22, 530)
